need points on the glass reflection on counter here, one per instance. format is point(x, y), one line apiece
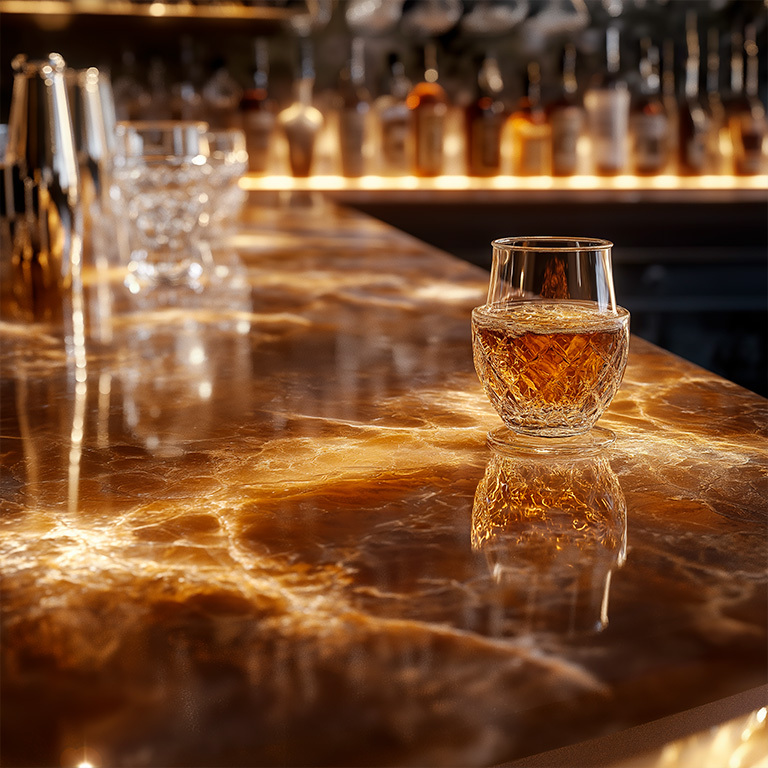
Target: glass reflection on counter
point(552, 531)
point(175, 369)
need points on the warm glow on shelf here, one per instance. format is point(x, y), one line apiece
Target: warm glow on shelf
point(158, 8)
point(330, 183)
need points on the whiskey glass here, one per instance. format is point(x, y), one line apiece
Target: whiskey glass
point(161, 191)
point(550, 344)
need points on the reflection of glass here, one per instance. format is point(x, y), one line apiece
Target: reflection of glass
point(175, 376)
point(552, 531)
point(550, 344)
point(161, 176)
point(228, 162)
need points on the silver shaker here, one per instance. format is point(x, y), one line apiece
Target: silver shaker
point(42, 221)
point(93, 115)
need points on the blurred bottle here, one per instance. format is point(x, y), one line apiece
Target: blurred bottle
point(714, 102)
point(158, 105)
point(607, 104)
point(669, 95)
point(746, 114)
point(649, 124)
point(301, 122)
point(257, 111)
point(484, 121)
point(131, 98)
point(221, 95)
point(429, 106)
point(353, 112)
point(395, 121)
point(693, 128)
point(566, 119)
point(531, 136)
point(187, 98)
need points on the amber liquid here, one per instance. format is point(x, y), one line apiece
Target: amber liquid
point(550, 368)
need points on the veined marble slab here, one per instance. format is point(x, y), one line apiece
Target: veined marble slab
point(263, 528)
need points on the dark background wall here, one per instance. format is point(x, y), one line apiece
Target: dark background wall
point(694, 275)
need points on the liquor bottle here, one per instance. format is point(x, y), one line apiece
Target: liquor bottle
point(221, 94)
point(649, 125)
point(607, 104)
point(394, 120)
point(746, 114)
point(131, 98)
point(669, 95)
point(186, 98)
point(301, 122)
point(531, 138)
point(566, 119)
point(158, 105)
point(484, 121)
point(693, 127)
point(428, 103)
point(257, 112)
point(353, 112)
point(714, 102)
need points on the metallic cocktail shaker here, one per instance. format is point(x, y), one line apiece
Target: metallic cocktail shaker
point(41, 231)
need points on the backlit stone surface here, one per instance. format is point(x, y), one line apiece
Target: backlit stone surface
point(264, 528)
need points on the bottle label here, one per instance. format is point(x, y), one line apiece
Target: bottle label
point(485, 145)
point(532, 155)
point(351, 141)
point(696, 151)
point(609, 128)
point(748, 136)
point(430, 130)
point(394, 140)
point(567, 125)
point(651, 134)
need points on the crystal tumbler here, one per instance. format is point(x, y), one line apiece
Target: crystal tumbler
point(161, 190)
point(550, 343)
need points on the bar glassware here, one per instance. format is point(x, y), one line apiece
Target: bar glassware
point(161, 176)
point(228, 163)
point(41, 211)
point(550, 344)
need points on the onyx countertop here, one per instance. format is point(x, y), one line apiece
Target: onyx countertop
point(261, 526)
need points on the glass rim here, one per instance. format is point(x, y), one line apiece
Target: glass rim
point(546, 243)
point(502, 305)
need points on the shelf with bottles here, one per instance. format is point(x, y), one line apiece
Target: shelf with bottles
point(616, 123)
point(508, 176)
point(628, 135)
point(173, 9)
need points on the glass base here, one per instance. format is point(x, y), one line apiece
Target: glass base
point(166, 271)
point(504, 440)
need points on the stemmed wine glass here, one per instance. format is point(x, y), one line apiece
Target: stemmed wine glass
point(550, 344)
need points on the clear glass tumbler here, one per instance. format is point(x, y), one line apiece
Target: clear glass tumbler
point(550, 344)
point(160, 175)
point(228, 163)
